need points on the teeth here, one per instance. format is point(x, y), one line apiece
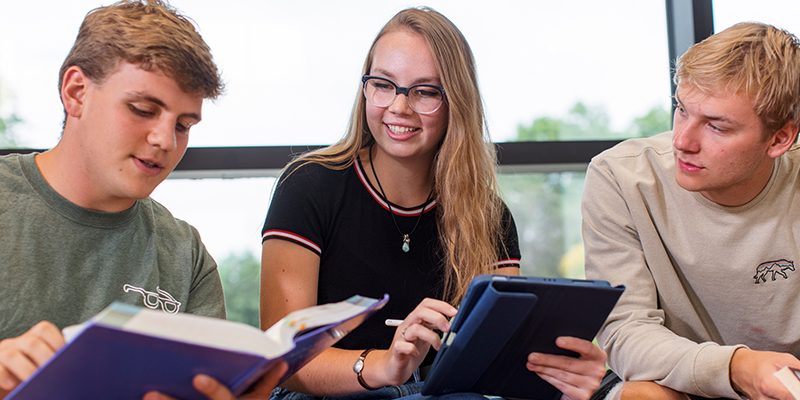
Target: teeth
point(149, 164)
point(400, 129)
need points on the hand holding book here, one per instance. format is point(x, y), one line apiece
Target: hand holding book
point(754, 373)
point(21, 355)
point(214, 390)
point(127, 351)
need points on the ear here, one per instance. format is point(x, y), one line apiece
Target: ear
point(783, 139)
point(73, 91)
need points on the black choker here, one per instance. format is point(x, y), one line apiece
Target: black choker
point(406, 236)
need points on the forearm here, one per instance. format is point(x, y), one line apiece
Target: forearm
point(645, 351)
point(331, 373)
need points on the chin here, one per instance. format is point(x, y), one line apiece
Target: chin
point(689, 184)
point(142, 191)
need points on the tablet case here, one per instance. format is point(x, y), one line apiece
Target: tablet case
point(502, 319)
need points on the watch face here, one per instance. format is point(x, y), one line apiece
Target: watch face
point(358, 366)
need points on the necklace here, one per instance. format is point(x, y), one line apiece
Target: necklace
point(406, 236)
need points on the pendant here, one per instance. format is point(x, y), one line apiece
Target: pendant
point(406, 241)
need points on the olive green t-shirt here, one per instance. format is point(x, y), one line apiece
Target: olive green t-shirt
point(64, 263)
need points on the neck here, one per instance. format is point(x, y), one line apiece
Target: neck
point(407, 184)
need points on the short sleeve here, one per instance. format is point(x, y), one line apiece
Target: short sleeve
point(297, 212)
point(205, 296)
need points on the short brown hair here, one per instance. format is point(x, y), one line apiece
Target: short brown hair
point(151, 34)
point(756, 59)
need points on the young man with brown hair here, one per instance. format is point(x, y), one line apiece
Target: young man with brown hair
point(702, 225)
point(79, 228)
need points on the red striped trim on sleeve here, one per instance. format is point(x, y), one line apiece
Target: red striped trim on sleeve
point(507, 262)
point(292, 236)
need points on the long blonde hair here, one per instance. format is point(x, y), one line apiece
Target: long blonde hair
point(469, 210)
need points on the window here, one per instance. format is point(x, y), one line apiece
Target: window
point(780, 13)
point(582, 69)
point(534, 59)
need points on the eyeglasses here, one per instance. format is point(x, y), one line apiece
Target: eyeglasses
point(381, 92)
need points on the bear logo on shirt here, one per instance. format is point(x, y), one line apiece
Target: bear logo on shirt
point(772, 268)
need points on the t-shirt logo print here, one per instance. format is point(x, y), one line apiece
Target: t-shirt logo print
point(775, 267)
point(154, 300)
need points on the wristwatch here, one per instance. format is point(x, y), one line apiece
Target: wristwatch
point(359, 366)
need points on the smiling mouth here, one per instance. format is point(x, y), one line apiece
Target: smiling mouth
point(149, 164)
point(688, 166)
point(401, 130)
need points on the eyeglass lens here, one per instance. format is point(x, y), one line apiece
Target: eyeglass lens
point(421, 98)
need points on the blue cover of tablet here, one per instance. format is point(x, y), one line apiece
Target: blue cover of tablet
point(502, 319)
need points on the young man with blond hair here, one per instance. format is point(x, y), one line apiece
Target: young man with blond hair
point(702, 225)
point(79, 228)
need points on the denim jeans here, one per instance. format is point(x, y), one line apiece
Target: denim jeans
point(408, 391)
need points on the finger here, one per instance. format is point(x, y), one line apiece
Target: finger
point(439, 306)
point(263, 389)
point(212, 388)
point(428, 317)
point(49, 334)
point(586, 349)
point(581, 375)
point(552, 361)
point(569, 390)
point(404, 350)
point(15, 364)
point(8, 381)
point(40, 342)
point(418, 332)
point(577, 369)
point(156, 396)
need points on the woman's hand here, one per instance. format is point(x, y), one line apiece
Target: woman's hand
point(412, 340)
point(576, 378)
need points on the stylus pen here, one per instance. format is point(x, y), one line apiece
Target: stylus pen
point(393, 322)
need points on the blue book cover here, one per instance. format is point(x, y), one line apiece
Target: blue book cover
point(127, 351)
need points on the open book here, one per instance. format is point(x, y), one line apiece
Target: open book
point(126, 351)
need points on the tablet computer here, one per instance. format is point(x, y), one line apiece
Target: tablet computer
point(502, 319)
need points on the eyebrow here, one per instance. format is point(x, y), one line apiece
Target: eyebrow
point(706, 116)
point(158, 102)
point(418, 81)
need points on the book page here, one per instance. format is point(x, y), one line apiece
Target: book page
point(204, 331)
point(285, 330)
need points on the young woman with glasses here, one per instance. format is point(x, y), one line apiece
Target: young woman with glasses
point(405, 204)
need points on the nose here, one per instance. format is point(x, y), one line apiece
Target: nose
point(163, 135)
point(400, 104)
point(685, 136)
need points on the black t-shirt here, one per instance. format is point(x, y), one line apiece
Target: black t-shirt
point(341, 217)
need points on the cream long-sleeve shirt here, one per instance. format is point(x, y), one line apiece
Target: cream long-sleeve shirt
point(702, 279)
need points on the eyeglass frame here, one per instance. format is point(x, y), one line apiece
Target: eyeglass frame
point(401, 90)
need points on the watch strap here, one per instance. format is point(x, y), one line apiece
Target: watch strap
point(358, 371)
